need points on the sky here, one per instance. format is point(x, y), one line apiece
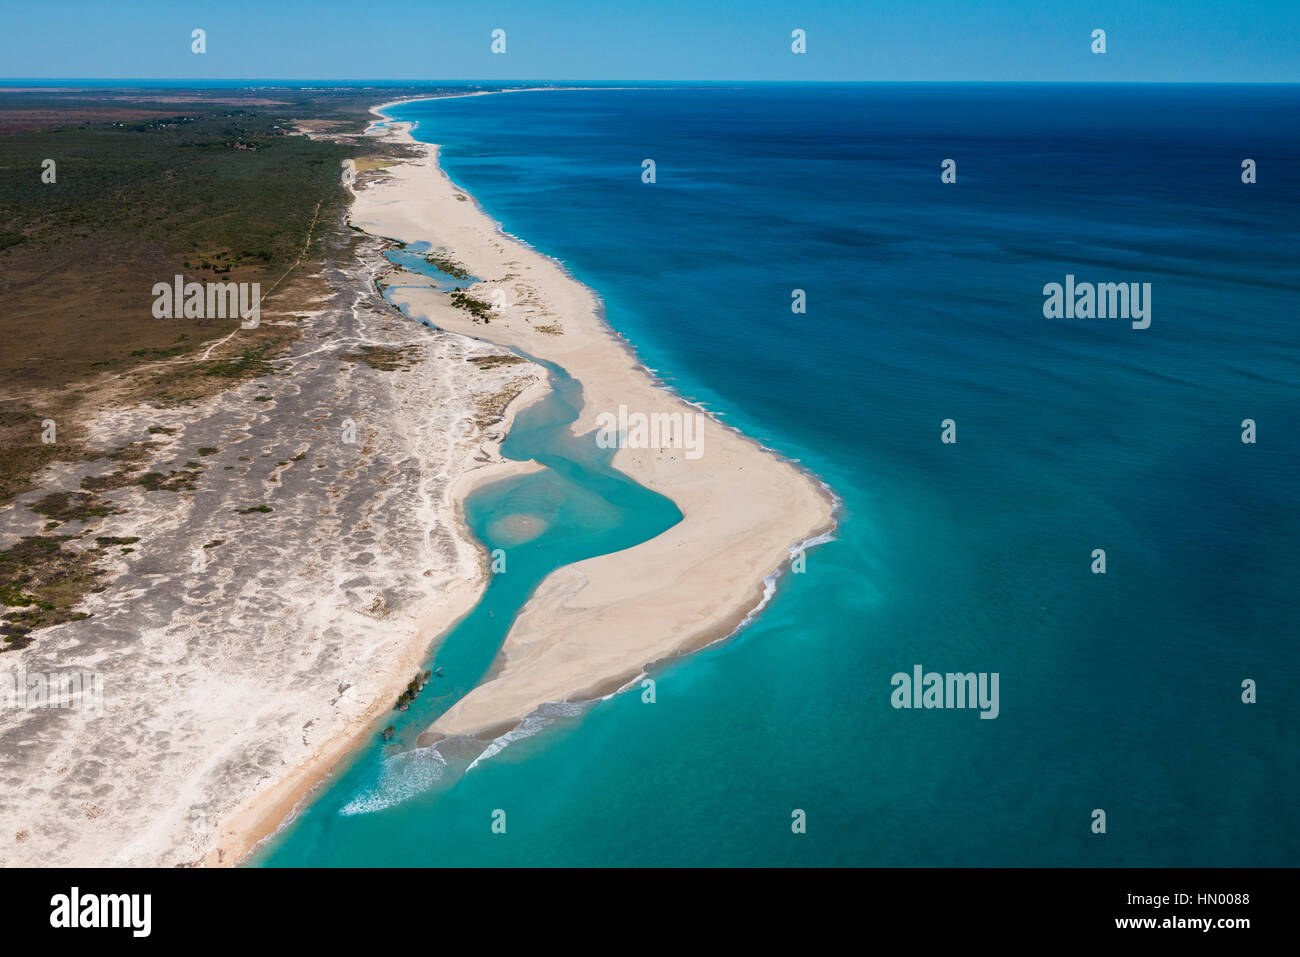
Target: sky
point(611, 40)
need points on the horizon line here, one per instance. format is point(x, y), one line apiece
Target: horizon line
point(452, 82)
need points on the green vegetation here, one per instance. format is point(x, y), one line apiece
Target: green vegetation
point(413, 690)
point(187, 182)
point(385, 358)
point(40, 584)
point(477, 308)
point(174, 481)
point(252, 363)
point(10, 595)
point(103, 483)
point(449, 266)
point(73, 506)
point(492, 362)
point(145, 190)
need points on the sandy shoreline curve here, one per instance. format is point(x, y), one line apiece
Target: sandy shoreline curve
point(593, 626)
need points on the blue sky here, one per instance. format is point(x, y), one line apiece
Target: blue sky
point(1045, 40)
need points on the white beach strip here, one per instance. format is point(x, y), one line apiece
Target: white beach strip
point(592, 626)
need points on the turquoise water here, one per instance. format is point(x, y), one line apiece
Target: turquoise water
point(579, 506)
point(1117, 691)
point(412, 258)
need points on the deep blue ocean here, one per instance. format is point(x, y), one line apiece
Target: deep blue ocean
point(1119, 691)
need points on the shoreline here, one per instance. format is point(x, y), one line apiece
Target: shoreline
point(618, 338)
point(269, 811)
point(279, 805)
point(494, 705)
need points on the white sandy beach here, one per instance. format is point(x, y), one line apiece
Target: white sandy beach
point(593, 626)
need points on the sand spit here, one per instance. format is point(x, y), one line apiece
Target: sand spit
point(592, 626)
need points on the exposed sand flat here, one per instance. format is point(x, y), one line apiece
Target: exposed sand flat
point(233, 683)
point(595, 625)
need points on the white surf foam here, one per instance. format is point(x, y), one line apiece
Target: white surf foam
point(401, 778)
point(538, 721)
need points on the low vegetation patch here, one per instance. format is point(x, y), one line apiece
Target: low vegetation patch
point(73, 506)
point(41, 582)
point(493, 362)
point(175, 480)
point(385, 358)
point(480, 310)
point(449, 266)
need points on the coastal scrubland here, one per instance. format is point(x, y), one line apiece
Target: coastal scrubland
point(214, 185)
